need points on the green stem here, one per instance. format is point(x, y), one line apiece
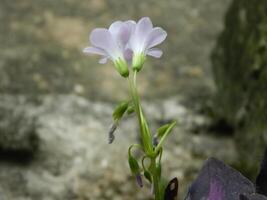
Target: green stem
point(145, 135)
point(144, 130)
point(155, 179)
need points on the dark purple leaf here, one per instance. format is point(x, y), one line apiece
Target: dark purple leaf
point(252, 197)
point(171, 191)
point(217, 178)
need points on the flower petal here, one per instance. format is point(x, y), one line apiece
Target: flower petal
point(154, 52)
point(103, 60)
point(128, 55)
point(102, 38)
point(142, 29)
point(155, 37)
point(94, 50)
point(114, 27)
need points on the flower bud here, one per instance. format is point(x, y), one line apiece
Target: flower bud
point(134, 166)
point(148, 176)
point(122, 67)
point(119, 111)
point(139, 180)
point(138, 61)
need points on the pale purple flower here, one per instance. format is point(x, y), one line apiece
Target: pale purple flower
point(112, 44)
point(143, 40)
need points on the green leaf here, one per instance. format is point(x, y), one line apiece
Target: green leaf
point(134, 166)
point(120, 110)
point(161, 131)
point(164, 131)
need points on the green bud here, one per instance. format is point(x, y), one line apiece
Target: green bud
point(134, 166)
point(120, 110)
point(122, 67)
point(148, 176)
point(138, 61)
point(130, 109)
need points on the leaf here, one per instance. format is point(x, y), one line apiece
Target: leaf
point(171, 190)
point(216, 177)
point(163, 132)
point(252, 197)
point(120, 110)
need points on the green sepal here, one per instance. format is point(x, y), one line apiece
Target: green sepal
point(122, 67)
point(120, 110)
point(130, 109)
point(138, 61)
point(134, 166)
point(148, 176)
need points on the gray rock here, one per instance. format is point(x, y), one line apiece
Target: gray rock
point(17, 126)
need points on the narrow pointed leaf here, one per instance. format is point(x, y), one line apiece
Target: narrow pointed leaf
point(165, 131)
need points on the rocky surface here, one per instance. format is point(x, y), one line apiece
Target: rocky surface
point(41, 54)
point(74, 161)
point(42, 41)
point(17, 127)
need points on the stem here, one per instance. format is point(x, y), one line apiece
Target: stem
point(155, 179)
point(144, 130)
point(145, 135)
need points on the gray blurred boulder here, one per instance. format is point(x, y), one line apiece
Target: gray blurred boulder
point(17, 127)
point(240, 69)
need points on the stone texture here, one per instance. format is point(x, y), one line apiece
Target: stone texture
point(240, 69)
point(74, 160)
point(17, 127)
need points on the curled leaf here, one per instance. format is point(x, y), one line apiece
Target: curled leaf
point(111, 135)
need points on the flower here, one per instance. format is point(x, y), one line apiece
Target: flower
point(112, 44)
point(127, 42)
point(143, 40)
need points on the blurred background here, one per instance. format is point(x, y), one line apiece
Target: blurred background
point(56, 103)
